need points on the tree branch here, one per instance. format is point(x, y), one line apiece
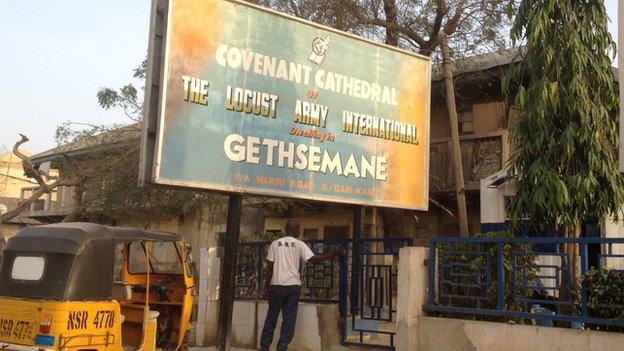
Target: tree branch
point(441, 10)
point(392, 36)
point(363, 19)
point(451, 25)
point(46, 188)
point(442, 207)
point(29, 169)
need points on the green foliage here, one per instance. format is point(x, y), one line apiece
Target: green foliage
point(481, 271)
point(266, 237)
point(110, 193)
point(127, 97)
point(106, 175)
point(473, 26)
point(605, 296)
point(69, 132)
point(565, 167)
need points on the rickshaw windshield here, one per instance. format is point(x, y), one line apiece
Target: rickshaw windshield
point(164, 258)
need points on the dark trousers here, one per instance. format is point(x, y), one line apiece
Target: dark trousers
point(283, 298)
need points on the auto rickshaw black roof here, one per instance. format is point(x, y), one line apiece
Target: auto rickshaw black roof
point(79, 259)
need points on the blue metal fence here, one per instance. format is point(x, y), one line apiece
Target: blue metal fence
point(320, 282)
point(528, 279)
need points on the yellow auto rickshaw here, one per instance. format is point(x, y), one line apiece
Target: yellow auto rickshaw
point(62, 288)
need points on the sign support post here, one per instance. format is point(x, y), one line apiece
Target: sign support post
point(356, 264)
point(228, 271)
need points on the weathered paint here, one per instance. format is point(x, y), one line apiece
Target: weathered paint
point(216, 48)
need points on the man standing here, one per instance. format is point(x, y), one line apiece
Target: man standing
point(283, 283)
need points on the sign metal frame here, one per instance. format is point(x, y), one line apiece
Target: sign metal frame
point(155, 100)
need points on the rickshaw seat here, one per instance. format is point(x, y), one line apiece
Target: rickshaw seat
point(132, 328)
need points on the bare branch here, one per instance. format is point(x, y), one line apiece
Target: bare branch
point(442, 207)
point(451, 25)
point(365, 20)
point(46, 188)
point(29, 169)
point(392, 36)
point(441, 10)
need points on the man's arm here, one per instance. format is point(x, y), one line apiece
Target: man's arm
point(268, 274)
point(327, 256)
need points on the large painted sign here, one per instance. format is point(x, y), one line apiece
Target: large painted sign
point(257, 102)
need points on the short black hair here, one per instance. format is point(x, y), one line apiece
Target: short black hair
point(292, 227)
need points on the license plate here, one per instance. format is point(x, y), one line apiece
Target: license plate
point(15, 330)
point(17, 324)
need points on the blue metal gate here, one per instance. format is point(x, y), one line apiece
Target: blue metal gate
point(371, 320)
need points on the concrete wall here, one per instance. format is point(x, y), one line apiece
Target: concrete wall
point(317, 326)
point(418, 332)
point(446, 334)
point(12, 178)
point(329, 216)
point(486, 117)
point(492, 198)
point(332, 216)
point(208, 296)
point(411, 295)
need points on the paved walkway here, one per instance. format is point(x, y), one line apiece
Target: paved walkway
point(335, 348)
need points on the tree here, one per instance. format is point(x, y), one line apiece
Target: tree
point(127, 97)
point(105, 178)
point(457, 27)
point(110, 194)
point(472, 26)
point(46, 183)
point(447, 72)
point(331, 13)
point(565, 168)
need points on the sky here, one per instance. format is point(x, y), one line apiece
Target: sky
point(55, 55)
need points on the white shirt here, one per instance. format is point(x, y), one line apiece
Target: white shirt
point(286, 254)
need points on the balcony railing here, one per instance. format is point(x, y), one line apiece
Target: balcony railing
point(57, 203)
point(482, 155)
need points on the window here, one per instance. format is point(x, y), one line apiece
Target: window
point(26, 193)
point(310, 234)
point(39, 205)
point(336, 232)
point(466, 122)
point(164, 258)
point(29, 268)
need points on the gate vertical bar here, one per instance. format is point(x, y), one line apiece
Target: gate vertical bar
point(260, 272)
point(228, 271)
point(343, 287)
point(358, 225)
point(501, 274)
point(584, 267)
point(431, 266)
